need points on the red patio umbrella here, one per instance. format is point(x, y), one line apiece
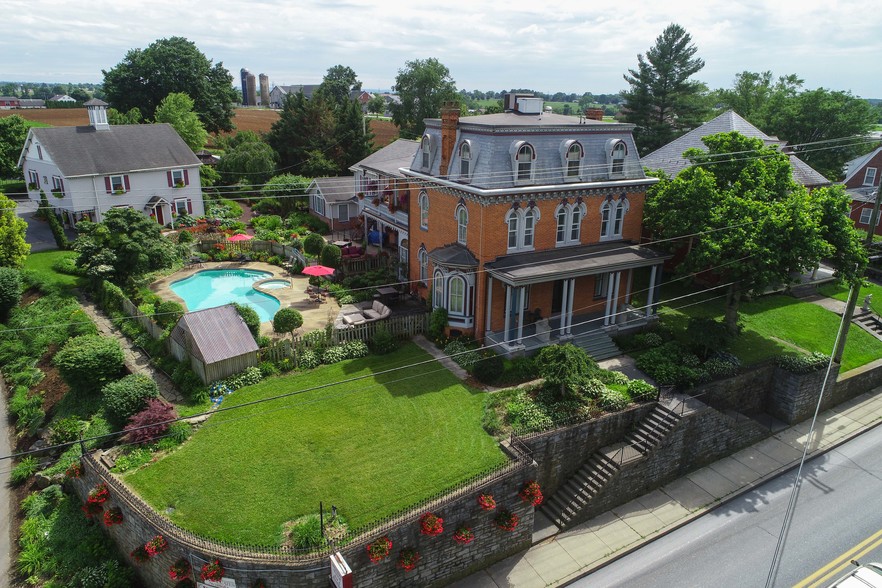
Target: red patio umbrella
point(240, 238)
point(317, 270)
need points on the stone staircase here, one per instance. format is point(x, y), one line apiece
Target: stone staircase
point(563, 507)
point(869, 322)
point(597, 344)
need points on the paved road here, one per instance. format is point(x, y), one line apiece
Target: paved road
point(39, 235)
point(839, 506)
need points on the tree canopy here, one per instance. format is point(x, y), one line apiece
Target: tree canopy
point(176, 109)
point(123, 247)
point(753, 225)
point(14, 249)
point(284, 189)
point(423, 85)
point(249, 162)
point(663, 101)
point(146, 76)
point(304, 134)
point(13, 132)
point(338, 85)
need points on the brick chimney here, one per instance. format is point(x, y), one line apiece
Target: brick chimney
point(594, 113)
point(449, 122)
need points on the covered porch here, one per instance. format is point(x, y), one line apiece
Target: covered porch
point(570, 295)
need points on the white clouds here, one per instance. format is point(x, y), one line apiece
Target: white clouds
point(486, 45)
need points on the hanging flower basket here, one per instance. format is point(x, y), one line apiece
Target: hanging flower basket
point(74, 470)
point(114, 516)
point(140, 555)
point(156, 546)
point(507, 520)
point(531, 493)
point(431, 524)
point(180, 570)
point(361, 195)
point(463, 535)
point(486, 502)
point(408, 559)
point(99, 494)
point(213, 571)
point(379, 549)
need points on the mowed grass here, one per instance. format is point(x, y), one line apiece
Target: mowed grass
point(39, 265)
point(369, 447)
point(840, 292)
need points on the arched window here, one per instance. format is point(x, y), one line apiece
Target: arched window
point(525, 163)
point(426, 151)
point(465, 160)
point(456, 304)
point(621, 209)
point(437, 290)
point(521, 227)
point(513, 222)
point(529, 228)
point(462, 224)
point(569, 222)
point(424, 209)
point(423, 257)
point(605, 211)
point(561, 216)
point(576, 223)
point(574, 160)
point(612, 216)
point(616, 152)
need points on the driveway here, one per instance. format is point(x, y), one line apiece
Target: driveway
point(39, 235)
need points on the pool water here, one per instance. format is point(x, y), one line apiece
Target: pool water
point(212, 288)
point(275, 284)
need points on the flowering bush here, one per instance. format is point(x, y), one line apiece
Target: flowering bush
point(431, 524)
point(140, 555)
point(99, 494)
point(379, 549)
point(90, 509)
point(180, 570)
point(408, 558)
point(74, 470)
point(463, 535)
point(114, 516)
point(507, 520)
point(486, 502)
point(531, 493)
point(213, 571)
point(156, 546)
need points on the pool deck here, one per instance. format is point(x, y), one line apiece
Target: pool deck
point(315, 316)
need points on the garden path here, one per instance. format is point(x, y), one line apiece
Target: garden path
point(136, 360)
point(830, 304)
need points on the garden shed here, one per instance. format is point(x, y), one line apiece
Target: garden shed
point(216, 341)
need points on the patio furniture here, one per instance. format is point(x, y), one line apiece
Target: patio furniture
point(353, 319)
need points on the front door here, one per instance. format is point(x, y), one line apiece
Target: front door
point(160, 218)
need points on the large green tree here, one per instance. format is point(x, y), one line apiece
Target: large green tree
point(123, 247)
point(752, 224)
point(286, 189)
point(303, 137)
point(423, 85)
point(176, 109)
point(13, 132)
point(663, 100)
point(753, 93)
point(353, 139)
point(338, 85)
point(146, 76)
point(249, 162)
point(14, 249)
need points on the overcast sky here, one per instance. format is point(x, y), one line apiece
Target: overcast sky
point(549, 47)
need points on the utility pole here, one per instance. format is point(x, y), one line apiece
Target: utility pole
point(856, 288)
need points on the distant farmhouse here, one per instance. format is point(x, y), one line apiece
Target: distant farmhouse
point(9, 102)
point(88, 170)
point(862, 179)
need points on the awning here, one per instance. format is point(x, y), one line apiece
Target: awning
point(154, 202)
point(520, 269)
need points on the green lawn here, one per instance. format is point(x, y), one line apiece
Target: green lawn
point(770, 322)
point(39, 266)
point(840, 292)
point(369, 447)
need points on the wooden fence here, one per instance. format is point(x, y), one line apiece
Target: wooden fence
point(145, 321)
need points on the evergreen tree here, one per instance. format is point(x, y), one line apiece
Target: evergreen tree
point(662, 100)
point(352, 136)
point(305, 131)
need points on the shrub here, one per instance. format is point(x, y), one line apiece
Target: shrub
point(308, 359)
point(706, 335)
point(592, 387)
point(565, 367)
point(287, 320)
point(168, 313)
point(383, 341)
point(355, 349)
point(150, 423)
point(526, 416)
point(462, 355)
point(437, 323)
point(306, 532)
point(641, 390)
point(719, 368)
point(331, 255)
point(27, 409)
point(66, 430)
point(251, 318)
point(613, 400)
point(89, 361)
point(269, 222)
point(610, 377)
point(489, 368)
point(128, 396)
point(313, 243)
point(334, 354)
point(653, 340)
point(802, 364)
point(23, 470)
point(268, 368)
point(11, 289)
point(247, 377)
point(131, 460)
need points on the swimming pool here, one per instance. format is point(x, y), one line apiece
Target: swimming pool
point(211, 288)
point(276, 284)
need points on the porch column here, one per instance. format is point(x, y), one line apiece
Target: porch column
point(610, 286)
point(628, 286)
point(563, 308)
point(657, 289)
point(651, 292)
point(521, 313)
point(507, 313)
point(489, 304)
point(569, 307)
point(614, 318)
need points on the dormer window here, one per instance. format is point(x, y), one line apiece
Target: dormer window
point(525, 163)
point(465, 160)
point(574, 160)
point(616, 151)
point(426, 152)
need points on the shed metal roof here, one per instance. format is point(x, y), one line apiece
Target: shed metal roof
point(217, 333)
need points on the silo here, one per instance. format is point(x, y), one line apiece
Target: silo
point(243, 75)
point(252, 90)
point(264, 90)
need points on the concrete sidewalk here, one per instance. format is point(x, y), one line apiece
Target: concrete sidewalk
point(566, 556)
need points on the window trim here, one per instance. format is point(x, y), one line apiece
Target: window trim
point(34, 178)
point(461, 215)
point(516, 227)
point(515, 151)
point(423, 260)
point(612, 218)
point(451, 282)
point(57, 183)
point(319, 200)
point(866, 215)
point(426, 149)
point(569, 232)
point(616, 165)
point(568, 161)
point(177, 177)
point(601, 285)
point(341, 208)
point(122, 184)
point(870, 180)
point(465, 160)
point(423, 201)
point(437, 289)
point(176, 206)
